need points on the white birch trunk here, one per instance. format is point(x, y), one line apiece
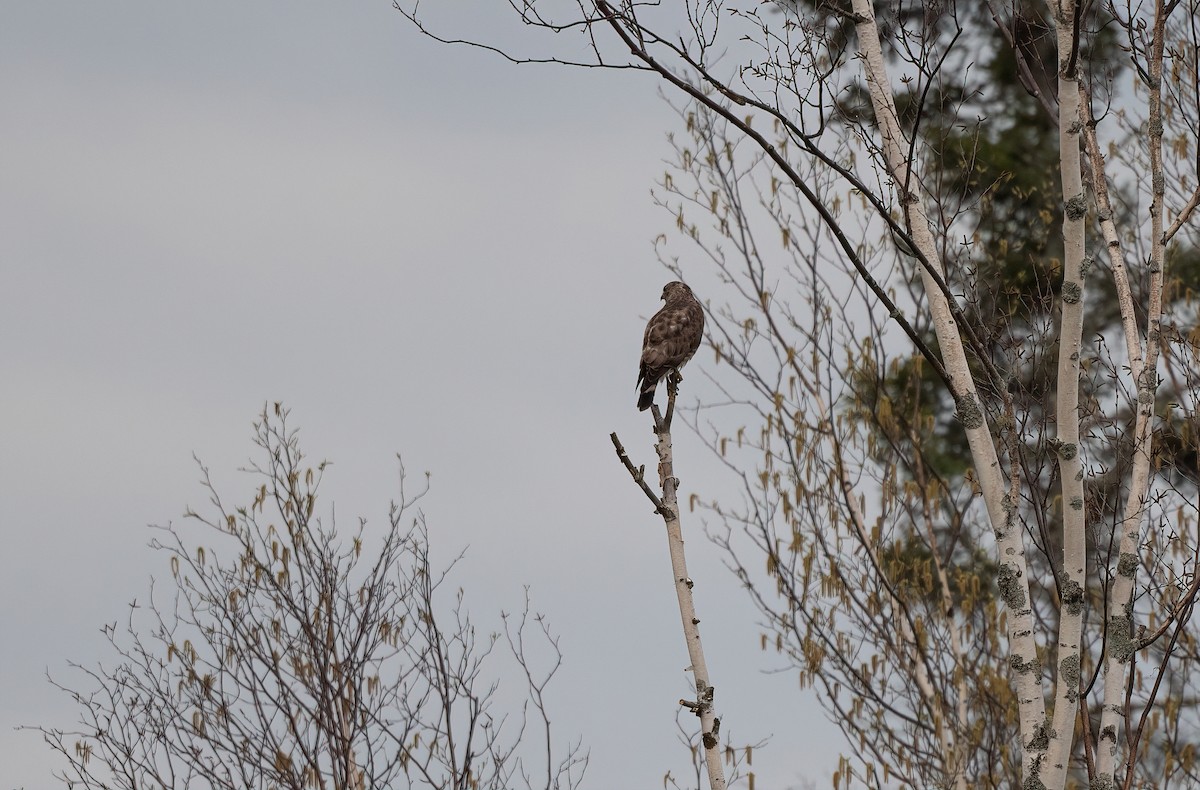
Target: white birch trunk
point(709, 724)
point(668, 508)
point(999, 499)
point(1120, 644)
point(1074, 561)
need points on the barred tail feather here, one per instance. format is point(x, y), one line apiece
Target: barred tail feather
point(646, 399)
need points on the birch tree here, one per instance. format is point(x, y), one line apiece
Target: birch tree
point(284, 652)
point(986, 581)
point(666, 505)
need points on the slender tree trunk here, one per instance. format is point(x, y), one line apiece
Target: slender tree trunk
point(668, 507)
point(1120, 644)
point(1072, 579)
point(1000, 495)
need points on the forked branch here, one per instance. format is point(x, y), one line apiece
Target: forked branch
point(667, 506)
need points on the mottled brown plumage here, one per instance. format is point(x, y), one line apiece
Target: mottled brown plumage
point(672, 336)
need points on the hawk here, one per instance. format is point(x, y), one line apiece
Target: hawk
point(672, 336)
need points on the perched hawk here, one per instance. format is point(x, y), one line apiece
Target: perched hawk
point(672, 336)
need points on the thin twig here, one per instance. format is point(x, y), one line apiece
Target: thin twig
point(638, 473)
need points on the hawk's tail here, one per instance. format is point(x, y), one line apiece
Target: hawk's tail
point(646, 399)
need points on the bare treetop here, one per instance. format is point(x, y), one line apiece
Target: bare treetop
point(956, 347)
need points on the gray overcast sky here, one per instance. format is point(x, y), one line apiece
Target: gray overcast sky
point(419, 249)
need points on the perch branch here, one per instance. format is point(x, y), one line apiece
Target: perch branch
point(668, 507)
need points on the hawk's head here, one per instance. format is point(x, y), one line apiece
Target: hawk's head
point(675, 292)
